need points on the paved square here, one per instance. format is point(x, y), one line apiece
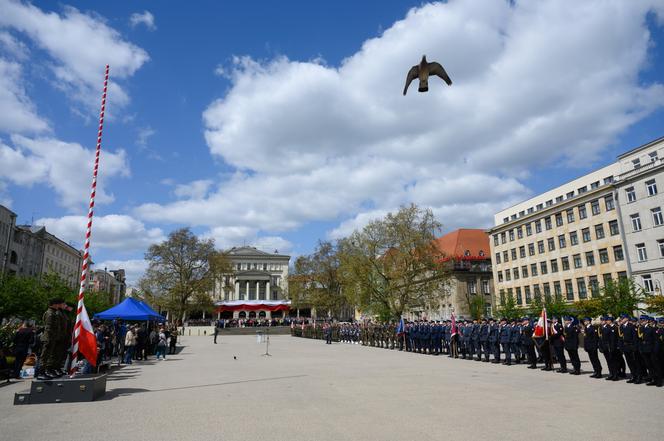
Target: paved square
point(311, 391)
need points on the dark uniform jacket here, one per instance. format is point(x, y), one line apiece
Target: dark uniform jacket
point(628, 337)
point(527, 335)
point(647, 339)
point(557, 339)
point(571, 337)
point(591, 338)
point(484, 332)
point(505, 334)
point(608, 338)
point(493, 333)
point(515, 334)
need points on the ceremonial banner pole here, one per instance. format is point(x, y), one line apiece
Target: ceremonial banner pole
point(82, 320)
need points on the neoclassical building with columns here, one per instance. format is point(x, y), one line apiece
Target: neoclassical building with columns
point(257, 288)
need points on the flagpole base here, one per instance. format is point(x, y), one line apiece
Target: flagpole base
point(81, 388)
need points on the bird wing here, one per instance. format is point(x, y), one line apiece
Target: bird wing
point(437, 69)
point(413, 73)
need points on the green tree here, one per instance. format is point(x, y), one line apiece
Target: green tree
point(593, 307)
point(508, 308)
point(556, 306)
point(315, 280)
point(179, 268)
point(393, 264)
point(655, 304)
point(622, 297)
point(475, 305)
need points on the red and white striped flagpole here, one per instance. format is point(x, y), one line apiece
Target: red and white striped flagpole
point(86, 248)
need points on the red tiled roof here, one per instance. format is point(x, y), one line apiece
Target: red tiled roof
point(465, 243)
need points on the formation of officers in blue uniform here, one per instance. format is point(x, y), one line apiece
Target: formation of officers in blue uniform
point(625, 343)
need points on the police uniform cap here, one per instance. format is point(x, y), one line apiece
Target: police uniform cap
point(604, 317)
point(643, 317)
point(633, 319)
point(587, 319)
point(609, 318)
point(660, 320)
point(624, 316)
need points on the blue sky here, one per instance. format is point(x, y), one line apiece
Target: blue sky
point(281, 123)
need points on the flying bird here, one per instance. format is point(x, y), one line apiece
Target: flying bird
point(423, 71)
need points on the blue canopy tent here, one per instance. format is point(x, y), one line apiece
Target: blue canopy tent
point(129, 309)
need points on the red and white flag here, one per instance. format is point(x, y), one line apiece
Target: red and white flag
point(87, 342)
point(454, 330)
point(541, 328)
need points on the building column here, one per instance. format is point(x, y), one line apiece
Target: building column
point(247, 292)
point(268, 294)
point(237, 290)
point(258, 290)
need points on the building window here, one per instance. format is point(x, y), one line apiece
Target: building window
point(529, 229)
point(533, 267)
point(547, 222)
point(559, 199)
point(647, 283)
point(577, 261)
point(524, 271)
point(519, 299)
point(472, 287)
point(582, 212)
point(641, 252)
point(622, 275)
point(508, 275)
point(502, 297)
point(631, 194)
point(606, 279)
point(652, 156)
point(618, 253)
point(636, 163)
point(500, 276)
point(506, 257)
point(522, 251)
point(609, 202)
point(547, 290)
point(603, 255)
point(652, 187)
point(559, 220)
point(538, 226)
point(513, 250)
point(554, 265)
point(551, 244)
point(613, 228)
point(657, 218)
point(557, 290)
point(561, 241)
point(543, 268)
point(582, 190)
point(503, 238)
point(486, 289)
point(660, 244)
point(540, 246)
point(239, 266)
point(594, 286)
point(511, 233)
point(599, 231)
point(497, 257)
point(590, 258)
point(569, 290)
point(531, 249)
point(581, 287)
point(515, 273)
point(570, 216)
point(565, 263)
point(519, 233)
point(585, 234)
point(573, 238)
point(594, 207)
point(495, 240)
point(636, 222)
point(536, 292)
point(526, 291)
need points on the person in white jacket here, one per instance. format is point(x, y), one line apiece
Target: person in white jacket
point(130, 344)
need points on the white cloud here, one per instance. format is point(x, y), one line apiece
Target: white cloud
point(17, 112)
point(145, 18)
point(111, 232)
point(535, 84)
point(228, 237)
point(13, 47)
point(80, 45)
point(134, 268)
point(65, 167)
point(144, 135)
point(193, 190)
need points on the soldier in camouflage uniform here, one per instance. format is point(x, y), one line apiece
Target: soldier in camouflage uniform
point(51, 339)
